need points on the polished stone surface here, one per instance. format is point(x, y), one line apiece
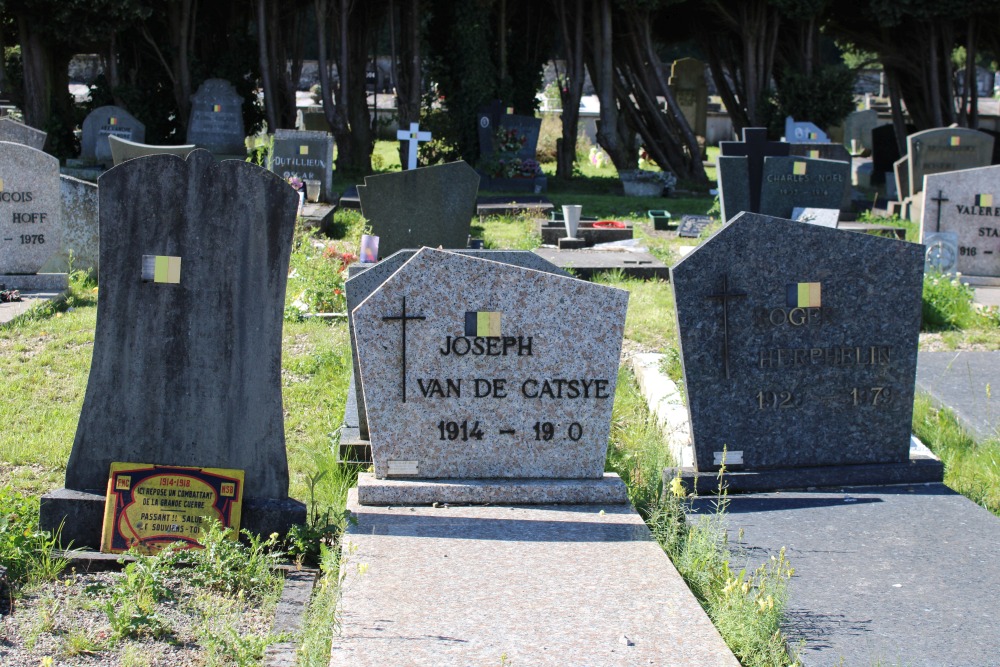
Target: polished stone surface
point(304, 154)
point(792, 182)
point(541, 586)
point(799, 344)
point(374, 491)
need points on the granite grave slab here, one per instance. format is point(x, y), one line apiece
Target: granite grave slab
point(753, 149)
point(107, 121)
point(966, 203)
point(692, 226)
point(366, 278)
point(791, 182)
point(308, 155)
point(19, 133)
point(824, 217)
point(187, 352)
point(31, 225)
point(586, 263)
point(428, 206)
point(964, 381)
point(468, 371)
point(945, 149)
point(123, 149)
point(216, 121)
point(805, 358)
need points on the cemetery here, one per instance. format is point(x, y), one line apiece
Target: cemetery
point(441, 333)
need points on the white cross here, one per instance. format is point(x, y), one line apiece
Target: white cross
point(414, 135)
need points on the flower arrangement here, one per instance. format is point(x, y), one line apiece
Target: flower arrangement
point(504, 162)
point(296, 183)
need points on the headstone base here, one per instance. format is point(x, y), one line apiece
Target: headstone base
point(81, 515)
point(383, 492)
point(569, 243)
point(35, 282)
point(920, 469)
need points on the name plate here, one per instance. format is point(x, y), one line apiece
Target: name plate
point(150, 506)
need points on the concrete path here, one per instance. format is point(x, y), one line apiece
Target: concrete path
point(10, 310)
point(519, 586)
point(966, 382)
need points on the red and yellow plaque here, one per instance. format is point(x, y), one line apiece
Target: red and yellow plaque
point(150, 506)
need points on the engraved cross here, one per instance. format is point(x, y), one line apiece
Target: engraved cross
point(725, 296)
point(403, 318)
point(940, 199)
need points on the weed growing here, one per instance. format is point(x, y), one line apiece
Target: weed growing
point(948, 304)
point(25, 551)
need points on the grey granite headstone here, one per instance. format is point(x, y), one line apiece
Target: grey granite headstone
point(496, 372)
point(123, 149)
point(31, 225)
point(107, 121)
point(691, 226)
point(822, 151)
point(187, 367)
point(306, 155)
point(366, 278)
point(945, 149)
point(858, 127)
point(525, 128)
point(19, 133)
point(80, 227)
point(824, 217)
point(216, 121)
point(967, 203)
point(803, 132)
point(429, 206)
point(799, 345)
point(734, 185)
point(792, 181)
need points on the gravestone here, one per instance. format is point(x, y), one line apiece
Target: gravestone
point(475, 370)
point(799, 346)
point(687, 81)
point(186, 366)
point(365, 279)
point(123, 149)
point(80, 237)
point(966, 203)
point(753, 149)
point(107, 121)
point(19, 133)
point(692, 226)
point(31, 226)
point(820, 151)
point(430, 206)
point(945, 149)
point(824, 217)
point(791, 181)
point(306, 155)
point(804, 132)
point(525, 129)
point(885, 151)
point(216, 121)
point(858, 128)
point(901, 177)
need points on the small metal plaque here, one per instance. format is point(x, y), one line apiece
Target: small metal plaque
point(734, 457)
point(403, 468)
point(161, 269)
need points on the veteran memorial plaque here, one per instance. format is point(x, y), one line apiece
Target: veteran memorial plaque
point(967, 204)
point(799, 345)
point(149, 507)
point(476, 369)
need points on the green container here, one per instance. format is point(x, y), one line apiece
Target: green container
point(660, 219)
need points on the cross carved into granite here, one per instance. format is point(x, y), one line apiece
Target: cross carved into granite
point(754, 147)
point(725, 296)
point(940, 199)
point(403, 318)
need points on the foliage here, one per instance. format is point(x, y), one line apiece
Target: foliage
point(131, 602)
point(322, 620)
point(317, 274)
point(947, 303)
point(230, 566)
point(305, 542)
point(25, 551)
point(443, 146)
point(824, 97)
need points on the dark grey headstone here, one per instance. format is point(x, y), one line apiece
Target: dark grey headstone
point(691, 226)
point(189, 373)
point(19, 133)
point(107, 121)
point(216, 121)
point(901, 177)
point(782, 383)
point(525, 128)
point(487, 121)
point(366, 278)
point(820, 151)
point(754, 147)
point(885, 150)
point(429, 206)
point(791, 182)
point(734, 185)
point(306, 155)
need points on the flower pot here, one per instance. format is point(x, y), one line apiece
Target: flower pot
point(640, 183)
point(312, 190)
point(571, 216)
point(660, 219)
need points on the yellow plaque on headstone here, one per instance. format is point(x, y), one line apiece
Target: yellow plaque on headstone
point(150, 506)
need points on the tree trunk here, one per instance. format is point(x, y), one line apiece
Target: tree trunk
point(972, 84)
point(934, 82)
point(36, 63)
point(270, 99)
point(571, 88)
point(896, 107)
point(408, 81)
point(602, 74)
